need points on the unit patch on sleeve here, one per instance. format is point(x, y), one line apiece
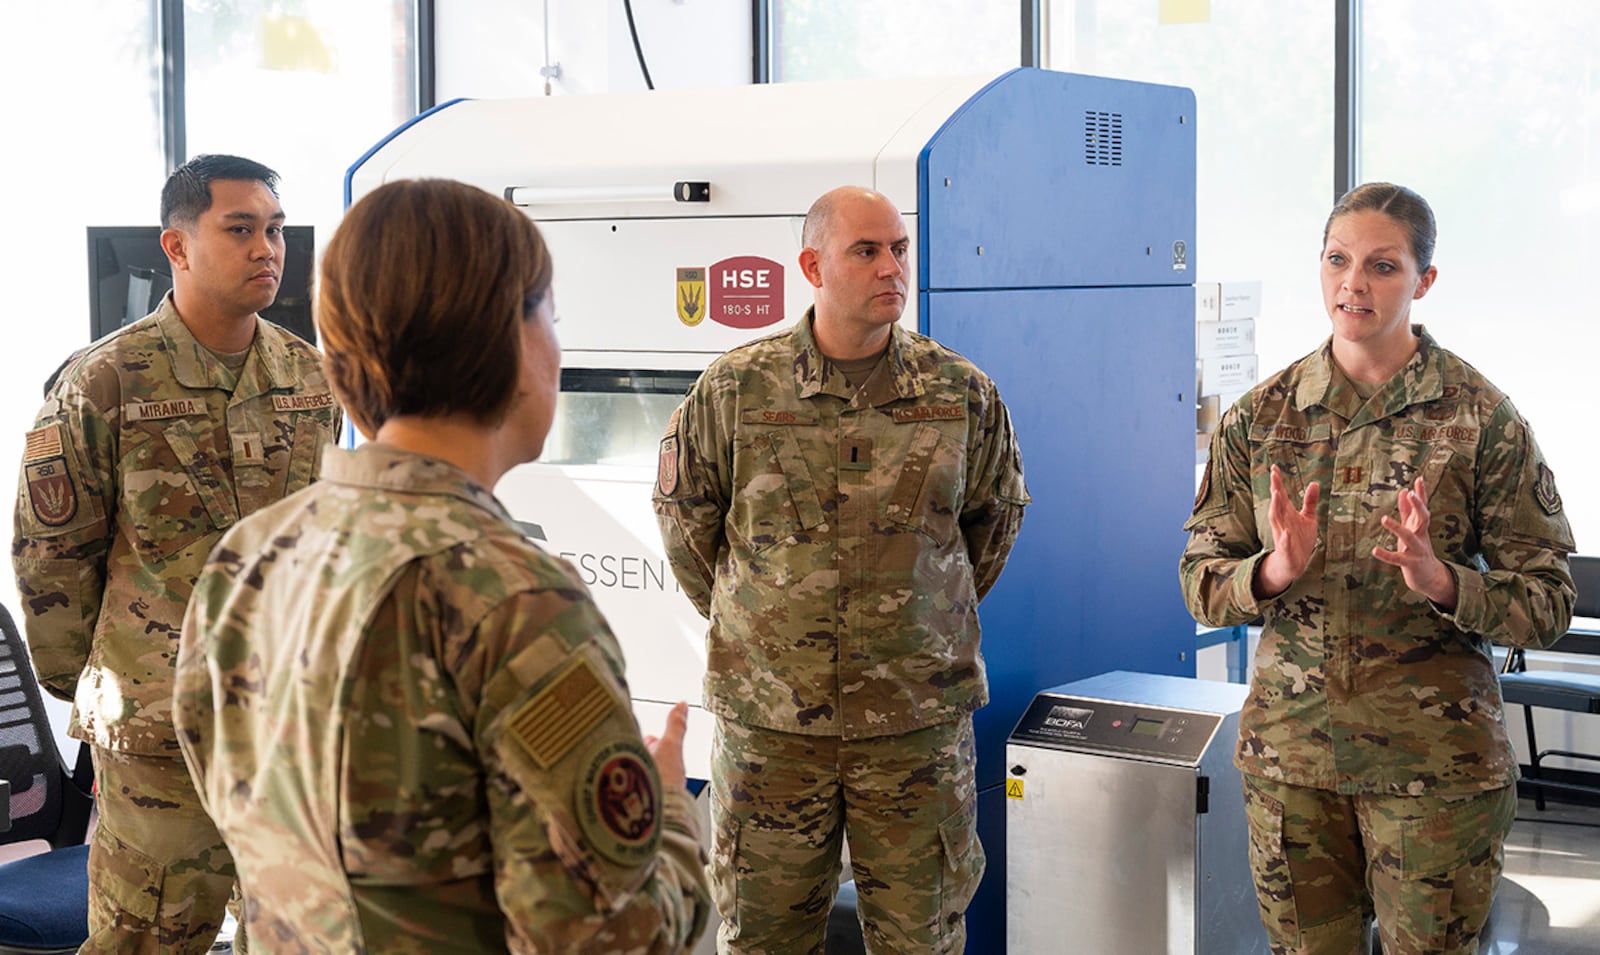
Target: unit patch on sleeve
point(667, 465)
point(51, 492)
point(1544, 490)
point(559, 716)
point(619, 802)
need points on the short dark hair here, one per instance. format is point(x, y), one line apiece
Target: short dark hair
point(187, 193)
point(1398, 203)
point(424, 290)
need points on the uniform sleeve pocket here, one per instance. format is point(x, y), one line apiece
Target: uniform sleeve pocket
point(54, 595)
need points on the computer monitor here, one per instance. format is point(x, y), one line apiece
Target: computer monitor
point(128, 275)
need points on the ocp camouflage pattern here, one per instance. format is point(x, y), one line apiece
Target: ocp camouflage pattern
point(145, 450)
point(410, 723)
point(839, 541)
point(1360, 684)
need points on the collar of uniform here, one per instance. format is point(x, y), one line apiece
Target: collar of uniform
point(272, 354)
point(1420, 380)
point(814, 375)
point(195, 367)
point(385, 467)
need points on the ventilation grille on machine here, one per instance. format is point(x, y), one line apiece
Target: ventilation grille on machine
point(1102, 138)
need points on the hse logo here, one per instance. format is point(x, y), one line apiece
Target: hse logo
point(745, 291)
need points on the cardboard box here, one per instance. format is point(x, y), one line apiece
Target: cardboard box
point(1239, 300)
point(1219, 339)
point(1226, 375)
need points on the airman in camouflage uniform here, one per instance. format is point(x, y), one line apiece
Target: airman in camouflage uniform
point(1374, 718)
point(410, 723)
point(435, 751)
point(147, 448)
point(838, 515)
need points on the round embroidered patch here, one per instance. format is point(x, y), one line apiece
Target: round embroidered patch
point(619, 802)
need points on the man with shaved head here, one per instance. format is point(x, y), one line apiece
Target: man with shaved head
point(836, 499)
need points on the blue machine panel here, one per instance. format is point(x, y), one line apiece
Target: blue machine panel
point(1056, 241)
point(1100, 385)
point(1061, 180)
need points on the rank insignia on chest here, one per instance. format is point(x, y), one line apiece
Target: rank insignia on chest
point(247, 450)
point(855, 454)
point(1347, 475)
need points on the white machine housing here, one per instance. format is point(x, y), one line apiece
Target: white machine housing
point(599, 175)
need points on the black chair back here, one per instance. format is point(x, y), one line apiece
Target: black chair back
point(46, 802)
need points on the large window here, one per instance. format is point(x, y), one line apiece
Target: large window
point(1492, 112)
point(82, 147)
point(1262, 76)
point(843, 39)
point(305, 87)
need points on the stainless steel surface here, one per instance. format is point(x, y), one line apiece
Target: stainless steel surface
point(1107, 851)
point(1100, 851)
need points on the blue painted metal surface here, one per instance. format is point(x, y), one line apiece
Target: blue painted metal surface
point(1100, 386)
point(1063, 181)
point(1079, 192)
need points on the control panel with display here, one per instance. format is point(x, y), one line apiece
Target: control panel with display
point(1155, 732)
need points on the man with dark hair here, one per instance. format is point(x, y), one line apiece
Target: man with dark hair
point(152, 442)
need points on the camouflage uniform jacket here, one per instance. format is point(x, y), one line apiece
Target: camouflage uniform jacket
point(839, 541)
point(1362, 685)
point(412, 728)
point(146, 449)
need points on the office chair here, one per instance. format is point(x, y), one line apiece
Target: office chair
point(1556, 689)
point(44, 898)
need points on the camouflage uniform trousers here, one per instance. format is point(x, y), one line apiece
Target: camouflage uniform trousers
point(160, 876)
point(1325, 864)
point(781, 804)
